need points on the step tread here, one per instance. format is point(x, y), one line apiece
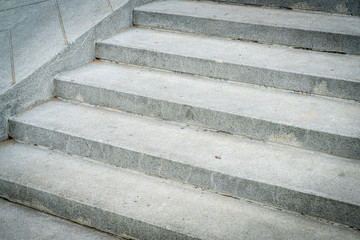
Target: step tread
point(332, 66)
point(287, 167)
point(146, 199)
point(310, 21)
point(333, 116)
point(350, 7)
point(19, 222)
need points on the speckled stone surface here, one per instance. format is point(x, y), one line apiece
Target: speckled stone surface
point(90, 163)
point(19, 222)
point(144, 207)
point(325, 32)
point(49, 37)
point(81, 15)
point(312, 122)
point(281, 67)
point(351, 7)
point(278, 175)
point(5, 62)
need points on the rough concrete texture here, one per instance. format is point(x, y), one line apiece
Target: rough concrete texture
point(144, 207)
point(80, 15)
point(11, 4)
point(283, 176)
point(5, 61)
point(45, 31)
point(19, 222)
point(326, 32)
point(351, 7)
point(21, 40)
point(34, 46)
point(312, 72)
point(328, 125)
point(115, 4)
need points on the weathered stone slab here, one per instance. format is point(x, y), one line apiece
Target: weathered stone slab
point(11, 17)
point(276, 66)
point(117, 3)
point(310, 30)
point(37, 87)
point(126, 202)
point(36, 39)
point(335, 6)
point(282, 176)
point(310, 122)
point(19, 222)
point(5, 62)
point(80, 15)
point(11, 4)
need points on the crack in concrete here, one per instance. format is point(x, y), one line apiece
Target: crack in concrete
point(61, 23)
point(109, 3)
point(12, 59)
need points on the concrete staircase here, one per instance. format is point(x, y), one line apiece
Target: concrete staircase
point(204, 121)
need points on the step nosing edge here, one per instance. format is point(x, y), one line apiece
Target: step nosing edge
point(168, 159)
point(252, 23)
point(206, 108)
point(79, 203)
point(305, 74)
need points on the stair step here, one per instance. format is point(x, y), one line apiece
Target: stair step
point(281, 67)
point(351, 7)
point(303, 181)
point(125, 202)
point(317, 31)
point(19, 222)
point(317, 123)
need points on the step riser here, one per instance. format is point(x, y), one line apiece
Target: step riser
point(321, 41)
point(254, 128)
point(154, 165)
point(212, 68)
point(87, 215)
point(351, 7)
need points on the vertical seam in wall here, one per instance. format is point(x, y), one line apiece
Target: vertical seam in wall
point(109, 3)
point(11, 58)
point(61, 23)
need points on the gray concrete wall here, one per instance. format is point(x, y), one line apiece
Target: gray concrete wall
point(40, 39)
